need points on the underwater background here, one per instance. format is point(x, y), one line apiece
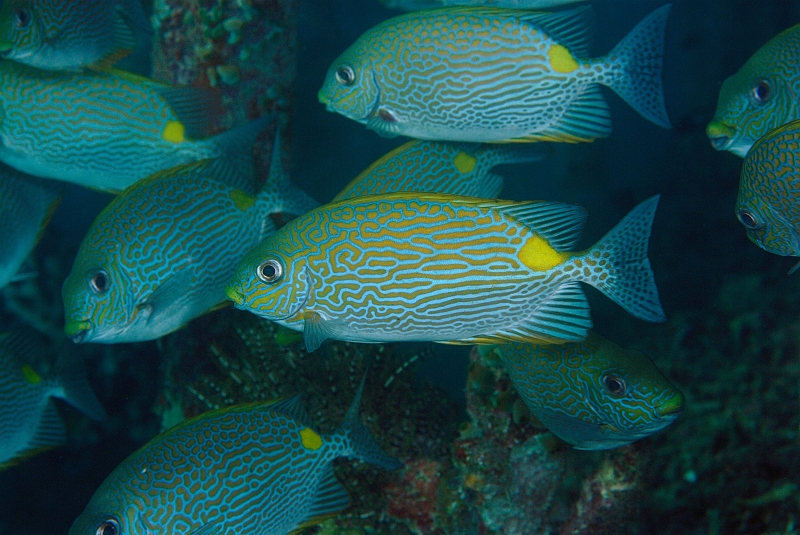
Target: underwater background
point(729, 464)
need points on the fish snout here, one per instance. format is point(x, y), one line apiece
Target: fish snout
point(234, 296)
point(720, 134)
point(77, 330)
point(673, 406)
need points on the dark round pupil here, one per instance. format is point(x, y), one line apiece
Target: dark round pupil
point(345, 75)
point(762, 91)
point(23, 17)
point(108, 528)
point(268, 271)
point(614, 385)
point(747, 219)
point(100, 281)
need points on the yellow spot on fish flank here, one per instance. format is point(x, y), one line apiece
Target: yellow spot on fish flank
point(310, 439)
point(30, 375)
point(242, 200)
point(561, 59)
point(464, 162)
point(538, 255)
point(174, 132)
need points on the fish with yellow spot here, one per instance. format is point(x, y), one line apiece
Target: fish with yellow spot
point(161, 252)
point(760, 97)
point(440, 167)
point(29, 421)
point(107, 130)
point(593, 394)
point(443, 268)
point(257, 466)
point(481, 74)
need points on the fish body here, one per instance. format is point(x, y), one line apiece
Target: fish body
point(104, 130)
point(481, 74)
point(26, 204)
point(413, 5)
point(431, 267)
point(29, 422)
point(435, 166)
point(767, 204)
point(162, 252)
point(257, 465)
point(68, 35)
point(593, 394)
point(760, 97)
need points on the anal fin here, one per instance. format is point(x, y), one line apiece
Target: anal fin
point(587, 119)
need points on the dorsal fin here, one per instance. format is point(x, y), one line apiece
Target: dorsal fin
point(559, 223)
point(196, 108)
point(571, 28)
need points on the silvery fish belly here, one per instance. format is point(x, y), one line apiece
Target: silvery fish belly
point(593, 394)
point(258, 465)
point(430, 267)
point(26, 204)
point(102, 130)
point(761, 96)
point(161, 253)
point(440, 167)
point(767, 204)
point(484, 74)
point(71, 34)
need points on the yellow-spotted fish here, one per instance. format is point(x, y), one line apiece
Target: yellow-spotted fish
point(761, 96)
point(161, 253)
point(485, 74)
point(440, 167)
point(29, 422)
point(255, 467)
point(63, 35)
point(768, 204)
point(26, 204)
point(443, 268)
point(593, 394)
point(107, 130)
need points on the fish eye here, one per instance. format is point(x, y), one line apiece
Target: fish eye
point(345, 75)
point(108, 527)
point(269, 271)
point(748, 219)
point(22, 18)
point(761, 92)
point(99, 282)
point(615, 385)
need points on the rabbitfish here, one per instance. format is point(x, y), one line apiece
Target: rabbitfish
point(413, 5)
point(760, 97)
point(485, 74)
point(162, 252)
point(255, 467)
point(440, 167)
point(105, 130)
point(593, 394)
point(431, 267)
point(768, 191)
point(29, 422)
point(26, 204)
point(64, 35)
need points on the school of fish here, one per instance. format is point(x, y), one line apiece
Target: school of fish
point(419, 247)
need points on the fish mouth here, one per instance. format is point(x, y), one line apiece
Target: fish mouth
point(6, 46)
point(720, 134)
point(235, 296)
point(77, 330)
point(672, 407)
point(323, 98)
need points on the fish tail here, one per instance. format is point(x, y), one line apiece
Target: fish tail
point(636, 64)
point(235, 148)
point(279, 194)
point(71, 373)
point(360, 443)
point(618, 265)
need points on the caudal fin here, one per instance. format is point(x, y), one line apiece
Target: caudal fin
point(618, 264)
point(78, 392)
point(636, 67)
point(279, 194)
point(361, 444)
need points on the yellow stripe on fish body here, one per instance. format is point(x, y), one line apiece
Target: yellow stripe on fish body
point(444, 268)
point(486, 75)
point(104, 130)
